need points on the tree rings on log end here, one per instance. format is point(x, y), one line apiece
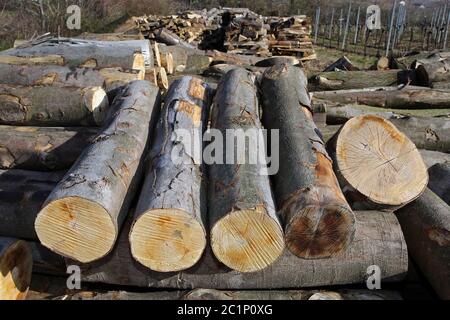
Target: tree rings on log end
point(167, 240)
point(247, 240)
point(15, 270)
point(320, 232)
point(96, 101)
point(76, 228)
point(380, 162)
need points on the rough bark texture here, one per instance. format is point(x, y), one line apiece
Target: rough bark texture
point(42, 148)
point(108, 78)
point(318, 221)
point(426, 226)
point(88, 53)
point(15, 269)
point(432, 72)
point(378, 241)
point(83, 215)
point(341, 80)
point(168, 233)
point(434, 157)
point(394, 99)
point(440, 180)
point(52, 106)
point(377, 165)
point(22, 194)
point(246, 234)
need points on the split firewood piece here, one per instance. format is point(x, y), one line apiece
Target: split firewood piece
point(52, 75)
point(246, 234)
point(377, 165)
point(83, 215)
point(52, 106)
point(440, 180)
point(157, 54)
point(426, 226)
point(42, 148)
point(133, 54)
point(318, 221)
point(161, 78)
point(16, 264)
point(168, 233)
point(167, 62)
point(22, 194)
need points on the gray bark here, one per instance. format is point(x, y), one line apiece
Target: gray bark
point(426, 226)
point(318, 220)
point(440, 180)
point(42, 148)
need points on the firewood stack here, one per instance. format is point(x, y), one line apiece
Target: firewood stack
point(291, 37)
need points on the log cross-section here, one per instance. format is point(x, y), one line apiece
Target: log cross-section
point(318, 221)
point(83, 215)
point(246, 234)
point(168, 233)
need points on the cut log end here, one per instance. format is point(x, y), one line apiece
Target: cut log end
point(167, 240)
point(138, 62)
point(96, 101)
point(76, 228)
point(15, 271)
point(320, 232)
point(380, 162)
point(247, 240)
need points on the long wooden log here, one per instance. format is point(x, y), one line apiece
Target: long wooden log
point(376, 164)
point(92, 54)
point(430, 72)
point(432, 158)
point(393, 99)
point(83, 214)
point(165, 36)
point(378, 241)
point(246, 234)
point(341, 80)
point(42, 148)
point(52, 106)
point(426, 133)
point(31, 75)
point(16, 265)
point(168, 234)
point(318, 221)
point(440, 180)
point(426, 226)
point(22, 194)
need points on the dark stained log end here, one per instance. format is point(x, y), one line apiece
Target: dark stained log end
point(247, 240)
point(76, 228)
point(16, 264)
point(379, 161)
point(320, 232)
point(167, 240)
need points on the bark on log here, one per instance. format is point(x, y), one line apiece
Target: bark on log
point(440, 180)
point(16, 266)
point(92, 54)
point(318, 221)
point(42, 149)
point(434, 157)
point(393, 99)
point(426, 226)
point(168, 234)
point(83, 214)
point(51, 75)
point(33, 61)
point(22, 194)
point(269, 62)
point(378, 167)
point(246, 234)
point(52, 106)
point(431, 72)
point(378, 241)
point(169, 38)
point(340, 80)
